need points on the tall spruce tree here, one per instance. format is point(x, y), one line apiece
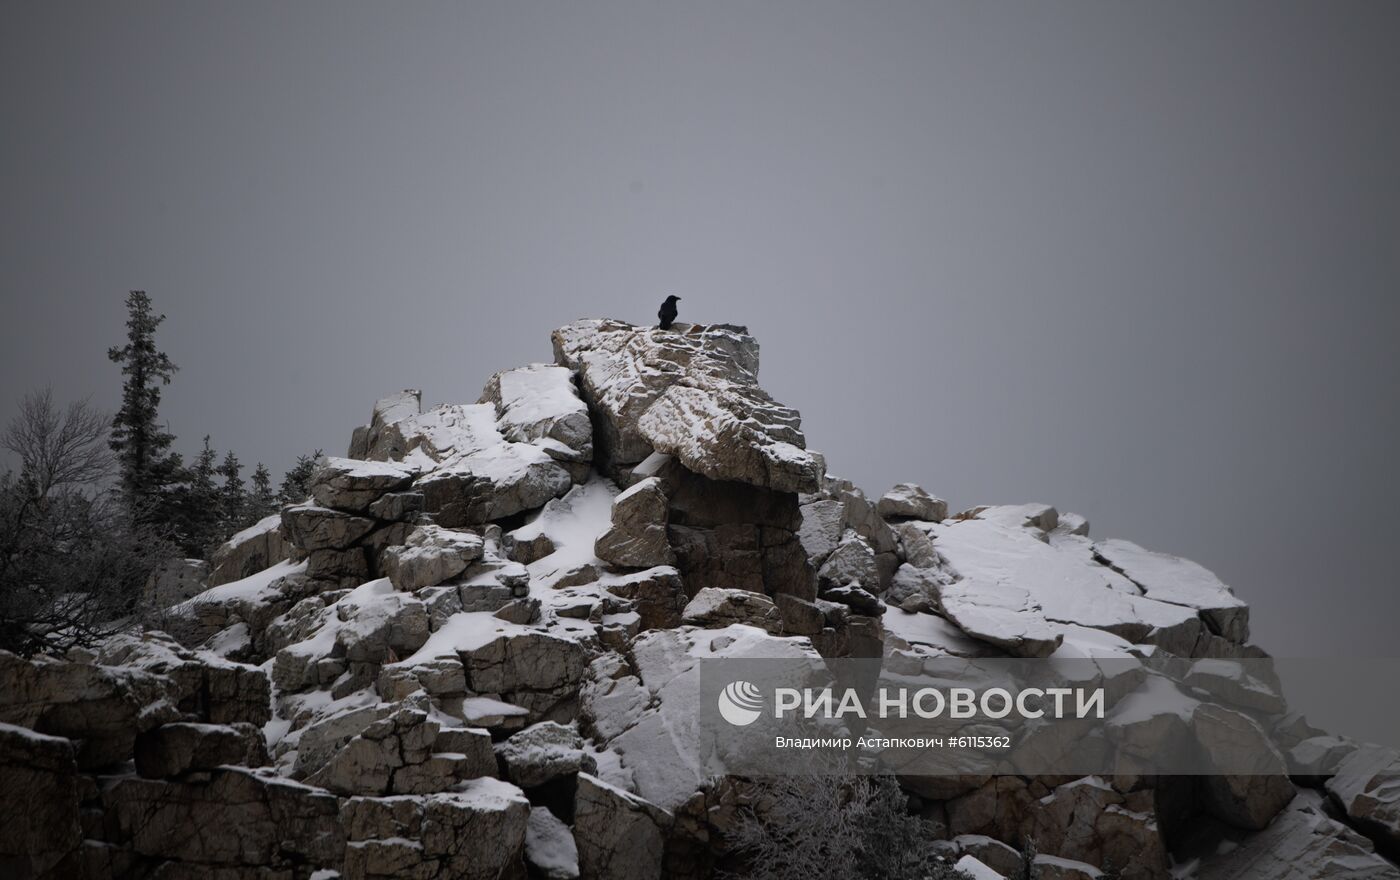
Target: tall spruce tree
point(262, 501)
point(233, 499)
point(148, 467)
point(200, 505)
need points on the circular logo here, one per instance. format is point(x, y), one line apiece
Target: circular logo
point(739, 703)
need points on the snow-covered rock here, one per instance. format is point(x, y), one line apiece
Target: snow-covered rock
point(260, 546)
point(351, 485)
point(694, 395)
point(175, 749)
point(1302, 843)
point(543, 752)
point(475, 832)
point(637, 537)
point(549, 846)
point(1367, 785)
point(429, 556)
point(910, 501)
point(1179, 581)
point(39, 819)
point(540, 404)
point(716, 609)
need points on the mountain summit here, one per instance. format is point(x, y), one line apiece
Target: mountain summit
point(474, 651)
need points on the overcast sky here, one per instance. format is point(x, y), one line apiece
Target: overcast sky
point(1138, 261)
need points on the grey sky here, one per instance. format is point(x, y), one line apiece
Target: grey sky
point(1139, 261)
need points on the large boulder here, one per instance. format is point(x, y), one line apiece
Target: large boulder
point(637, 537)
point(102, 710)
point(430, 556)
point(543, 752)
point(619, 835)
point(206, 687)
point(476, 832)
point(1367, 785)
point(692, 394)
point(352, 485)
point(539, 404)
point(172, 750)
point(260, 546)
point(715, 609)
point(1177, 581)
point(176, 580)
point(910, 501)
point(39, 821)
point(237, 820)
point(494, 483)
point(1017, 577)
point(531, 668)
point(1258, 788)
point(311, 527)
point(657, 595)
point(1302, 843)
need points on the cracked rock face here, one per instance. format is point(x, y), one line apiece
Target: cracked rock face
point(350, 485)
point(429, 556)
point(619, 835)
point(637, 538)
point(40, 830)
point(691, 394)
point(716, 609)
point(279, 824)
point(476, 832)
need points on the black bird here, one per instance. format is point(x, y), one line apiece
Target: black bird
point(668, 312)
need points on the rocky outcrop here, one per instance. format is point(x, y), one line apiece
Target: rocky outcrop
point(100, 708)
point(542, 753)
point(692, 394)
point(352, 486)
point(539, 404)
point(1302, 843)
point(478, 649)
point(260, 546)
point(910, 501)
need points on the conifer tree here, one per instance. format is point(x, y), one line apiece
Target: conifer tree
point(201, 511)
point(262, 501)
point(142, 445)
point(296, 483)
point(233, 498)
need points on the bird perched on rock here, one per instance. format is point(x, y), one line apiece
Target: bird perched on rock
point(668, 312)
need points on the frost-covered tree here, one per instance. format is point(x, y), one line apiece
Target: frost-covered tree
point(73, 556)
point(835, 827)
point(147, 466)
